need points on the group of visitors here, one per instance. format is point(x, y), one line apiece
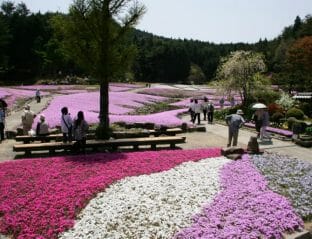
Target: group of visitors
point(205, 107)
point(71, 129)
point(74, 128)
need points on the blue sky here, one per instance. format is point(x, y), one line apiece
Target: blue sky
point(209, 20)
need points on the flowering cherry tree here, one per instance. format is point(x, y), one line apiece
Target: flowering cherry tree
point(238, 72)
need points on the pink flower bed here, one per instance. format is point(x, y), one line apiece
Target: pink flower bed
point(47, 87)
point(11, 95)
point(168, 118)
point(283, 132)
point(246, 208)
point(40, 198)
point(120, 103)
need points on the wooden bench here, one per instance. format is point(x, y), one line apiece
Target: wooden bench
point(59, 137)
point(51, 137)
point(95, 144)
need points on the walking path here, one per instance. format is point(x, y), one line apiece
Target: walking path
point(215, 136)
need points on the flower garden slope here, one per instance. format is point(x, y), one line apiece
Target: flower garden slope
point(41, 198)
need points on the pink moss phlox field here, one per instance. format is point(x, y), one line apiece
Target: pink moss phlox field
point(245, 208)
point(120, 103)
point(283, 132)
point(48, 87)
point(168, 118)
point(10, 95)
point(40, 198)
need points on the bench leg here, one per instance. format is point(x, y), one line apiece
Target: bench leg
point(51, 151)
point(172, 145)
point(153, 146)
point(27, 152)
point(136, 147)
point(114, 148)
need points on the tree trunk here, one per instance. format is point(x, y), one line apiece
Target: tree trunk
point(104, 106)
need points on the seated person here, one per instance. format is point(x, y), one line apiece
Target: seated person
point(42, 128)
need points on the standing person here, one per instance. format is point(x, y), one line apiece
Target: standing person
point(27, 119)
point(221, 101)
point(197, 110)
point(191, 106)
point(38, 96)
point(80, 131)
point(42, 128)
point(265, 124)
point(3, 105)
point(210, 112)
point(234, 121)
point(2, 123)
point(257, 118)
point(204, 106)
point(66, 125)
point(232, 100)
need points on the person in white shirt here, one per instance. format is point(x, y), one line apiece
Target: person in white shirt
point(191, 106)
point(66, 125)
point(197, 110)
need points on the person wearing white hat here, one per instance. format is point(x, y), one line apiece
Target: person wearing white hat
point(235, 122)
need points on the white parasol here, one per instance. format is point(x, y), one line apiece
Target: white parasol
point(259, 106)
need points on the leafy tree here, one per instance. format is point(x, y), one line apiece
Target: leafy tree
point(237, 72)
point(196, 75)
point(94, 36)
point(4, 42)
point(299, 63)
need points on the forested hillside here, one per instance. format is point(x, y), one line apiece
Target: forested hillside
point(31, 50)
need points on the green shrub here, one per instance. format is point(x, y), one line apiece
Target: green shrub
point(308, 130)
point(290, 122)
point(299, 127)
point(306, 108)
point(276, 117)
point(294, 112)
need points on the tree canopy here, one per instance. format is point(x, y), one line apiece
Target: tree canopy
point(93, 34)
point(238, 73)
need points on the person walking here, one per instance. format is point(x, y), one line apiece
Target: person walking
point(38, 96)
point(2, 123)
point(191, 106)
point(66, 125)
point(204, 106)
point(80, 132)
point(210, 112)
point(197, 110)
point(27, 119)
point(235, 122)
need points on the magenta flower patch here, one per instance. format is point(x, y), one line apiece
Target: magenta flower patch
point(246, 208)
point(40, 198)
point(283, 132)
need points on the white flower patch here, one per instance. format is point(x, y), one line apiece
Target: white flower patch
point(150, 206)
